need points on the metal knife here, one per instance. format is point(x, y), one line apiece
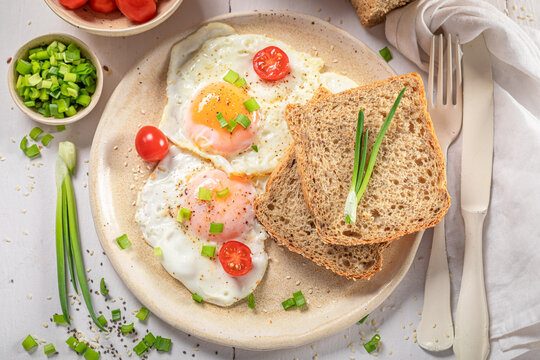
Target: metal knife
point(472, 317)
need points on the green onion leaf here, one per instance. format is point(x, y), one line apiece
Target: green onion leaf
point(29, 343)
point(126, 328)
point(35, 132)
point(149, 339)
point(116, 315)
point(185, 214)
point(299, 299)
point(72, 342)
point(222, 193)
point(240, 82)
point(47, 139)
point(287, 304)
point(60, 128)
point(123, 241)
point(32, 151)
point(255, 148)
point(162, 344)
point(197, 298)
point(91, 354)
point(363, 319)
point(231, 77)
point(61, 233)
point(251, 301)
point(67, 241)
point(158, 252)
point(386, 54)
point(102, 320)
point(251, 105)
point(142, 314)
point(140, 348)
point(59, 319)
point(103, 287)
point(243, 120)
point(205, 194)
point(208, 251)
point(49, 349)
point(232, 125)
point(67, 151)
point(221, 119)
point(216, 228)
point(371, 345)
point(80, 347)
point(350, 203)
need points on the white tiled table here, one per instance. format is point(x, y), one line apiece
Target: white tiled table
point(27, 257)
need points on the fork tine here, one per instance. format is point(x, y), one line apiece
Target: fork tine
point(449, 71)
point(459, 79)
point(431, 72)
point(440, 75)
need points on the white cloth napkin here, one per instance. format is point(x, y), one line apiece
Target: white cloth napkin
point(512, 231)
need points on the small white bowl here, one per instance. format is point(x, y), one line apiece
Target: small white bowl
point(86, 52)
point(113, 24)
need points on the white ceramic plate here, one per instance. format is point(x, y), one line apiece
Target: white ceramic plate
point(117, 175)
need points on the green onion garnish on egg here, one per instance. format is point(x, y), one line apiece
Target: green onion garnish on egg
point(240, 82)
point(205, 194)
point(123, 241)
point(243, 120)
point(208, 251)
point(232, 124)
point(216, 228)
point(251, 105)
point(158, 251)
point(221, 120)
point(255, 148)
point(231, 77)
point(222, 193)
point(185, 214)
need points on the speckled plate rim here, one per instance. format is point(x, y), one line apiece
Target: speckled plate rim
point(286, 340)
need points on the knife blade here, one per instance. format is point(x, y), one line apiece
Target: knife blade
point(472, 317)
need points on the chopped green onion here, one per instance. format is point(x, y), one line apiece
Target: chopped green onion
point(363, 319)
point(47, 139)
point(70, 77)
point(60, 128)
point(231, 77)
point(386, 54)
point(240, 82)
point(222, 193)
point(158, 252)
point(232, 124)
point(255, 148)
point(216, 228)
point(299, 299)
point(23, 67)
point(49, 349)
point(162, 344)
point(32, 151)
point(149, 339)
point(103, 287)
point(116, 315)
point(59, 319)
point(102, 320)
point(221, 119)
point(185, 214)
point(287, 304)
point(205, 194)
point(29, 343)
point(83, 100)
point(197, 298)
point(123, 241)
point(91, 354)
point(80, 348)
point(35, 132)
point(251, 301)
point(140, 348)
point(208, 251)
point(124, 329)
point(142, 314)
point(24, 144)
point(72, 342)
point(371, 345)
point(251, 105)
point(243, 120)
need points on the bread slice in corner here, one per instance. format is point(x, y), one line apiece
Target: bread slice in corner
point(407, 190)
point(283, 212)
point(373, 12)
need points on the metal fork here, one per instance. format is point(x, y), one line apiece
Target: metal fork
point(435, 331)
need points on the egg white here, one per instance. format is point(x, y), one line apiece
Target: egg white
point(157, 205)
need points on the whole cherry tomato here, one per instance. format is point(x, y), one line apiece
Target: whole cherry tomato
point(151, 143)
point(73, 4)
point(137, 10)
point(235, 257)
point(271, 63)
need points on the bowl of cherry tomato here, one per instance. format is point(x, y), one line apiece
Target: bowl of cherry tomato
point(114, 17)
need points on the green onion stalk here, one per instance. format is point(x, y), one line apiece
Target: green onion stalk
point(68, 248)
point(361, 173)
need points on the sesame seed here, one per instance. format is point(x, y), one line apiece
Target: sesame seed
point(116, 147)
point(406, 337)
point(49, 297)
point(45, 325)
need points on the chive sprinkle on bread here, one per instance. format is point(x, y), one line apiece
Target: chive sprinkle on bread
point(407, 190)
point(373, 12)
point(283, 212)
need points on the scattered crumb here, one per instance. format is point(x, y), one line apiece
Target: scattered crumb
point(49, 297)
point(45, 325)
point(288, 277)
point(419, 313)
point(329, 19)
point(297, 282)
point(29, 296)
point(29, 22)
point(406, 337)
point(319, 10)
point(25, 232)
point(115, 147)
point(415, 298)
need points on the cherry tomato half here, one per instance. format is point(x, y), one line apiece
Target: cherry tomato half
point(271, 63)
point(235, 258)
point(151, 143)
point(73, 4)
point(103, 6)
point(137, 10)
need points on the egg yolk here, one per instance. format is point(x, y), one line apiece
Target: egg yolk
point(234, 210)
point(203, 127)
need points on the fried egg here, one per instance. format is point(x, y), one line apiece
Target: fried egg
point(174, 185)
point(196, 93)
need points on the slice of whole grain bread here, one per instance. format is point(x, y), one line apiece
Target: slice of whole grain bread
point(373, 12)
point(283, 212)
point(407, 190)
